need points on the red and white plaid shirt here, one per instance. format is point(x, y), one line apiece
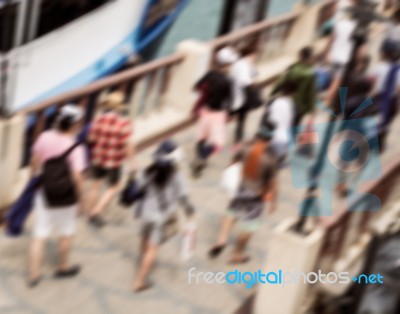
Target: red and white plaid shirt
point(109, 135)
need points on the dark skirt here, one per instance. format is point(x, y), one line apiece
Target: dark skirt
point(247, 205)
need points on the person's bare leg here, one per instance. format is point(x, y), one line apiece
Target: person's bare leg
point(35, 258)
point(144, 244)
point(94, 193)
point(146, 265)
point(64, 248)
point(238, 255)
point(105, 200)
point(225, 230)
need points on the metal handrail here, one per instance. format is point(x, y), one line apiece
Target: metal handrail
point(106, 82)
point(252, 29)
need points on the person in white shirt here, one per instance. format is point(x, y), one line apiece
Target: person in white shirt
point(342, 45)
point(242, 74)
point(340, 51)
point(281, 114)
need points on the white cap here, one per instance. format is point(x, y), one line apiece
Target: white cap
point(177, 156)
point(168, 151)
point(73, 111)
point(227, 55)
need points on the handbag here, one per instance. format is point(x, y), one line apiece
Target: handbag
point(131, 193)
point(231, 179)
point(307, 140)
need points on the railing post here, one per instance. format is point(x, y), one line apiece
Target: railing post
point(196, 62)
point(2, 177)
point(11, 136)
point(300, 256)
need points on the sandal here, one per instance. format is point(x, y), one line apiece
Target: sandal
point(243, 260)
point(32, 283)
point(73, 271)
point(215, 251)
point(143, 288)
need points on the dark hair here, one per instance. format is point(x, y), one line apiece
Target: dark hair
point(306, 53)
point(161, 173)
point(65, 123)
point(389, 50)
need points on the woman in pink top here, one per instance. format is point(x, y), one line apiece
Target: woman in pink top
point(50, 144)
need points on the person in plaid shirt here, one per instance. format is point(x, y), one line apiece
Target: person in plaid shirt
point(110, 140)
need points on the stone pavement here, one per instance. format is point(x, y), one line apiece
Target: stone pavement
point(109, 256)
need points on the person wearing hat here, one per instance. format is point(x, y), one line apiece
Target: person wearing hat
point(259, 182)
point(164, 188)
point(110, 137)
point(216, 91)
point(51, 144)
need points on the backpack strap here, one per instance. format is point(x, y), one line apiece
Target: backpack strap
point(70, 150)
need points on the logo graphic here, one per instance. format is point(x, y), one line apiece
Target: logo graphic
point(279, 277)
point(338, 152)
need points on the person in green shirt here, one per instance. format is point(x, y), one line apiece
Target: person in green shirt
point(302, 73)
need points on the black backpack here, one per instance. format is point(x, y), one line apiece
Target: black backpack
point(57, 182)
point(253, 97)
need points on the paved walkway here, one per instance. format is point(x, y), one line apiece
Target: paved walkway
point(109, 256)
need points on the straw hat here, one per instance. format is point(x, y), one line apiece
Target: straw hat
point(114, 101)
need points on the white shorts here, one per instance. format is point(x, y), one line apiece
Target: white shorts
point(61, 220)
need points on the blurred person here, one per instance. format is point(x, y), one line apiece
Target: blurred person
point(259, 182)
point(359, 91)
point(216, 95)
point(386, 75)
point(282, 115)
point(302, 74)
point(339, 50)
point(110, 138)
point(243, 73)
point(362, 65)
point(391, 42)
point(58, 143)
point(164, 189)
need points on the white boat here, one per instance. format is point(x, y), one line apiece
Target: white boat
point(53, 46)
